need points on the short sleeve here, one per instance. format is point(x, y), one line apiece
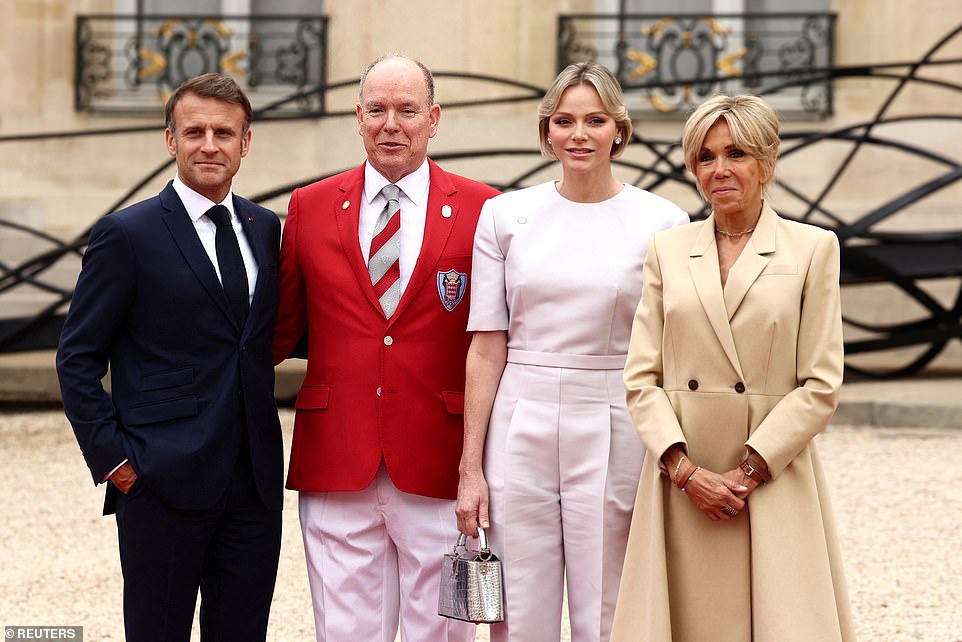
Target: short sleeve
point(489, 306)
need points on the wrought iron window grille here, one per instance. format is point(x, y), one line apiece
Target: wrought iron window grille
point(131, 63)
point(668, 64)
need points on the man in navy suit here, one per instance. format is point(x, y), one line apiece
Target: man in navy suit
point(182, 311)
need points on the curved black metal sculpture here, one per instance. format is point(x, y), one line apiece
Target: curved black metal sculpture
point(869, 254)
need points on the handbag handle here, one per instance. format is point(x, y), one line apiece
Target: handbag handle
point(485, 553)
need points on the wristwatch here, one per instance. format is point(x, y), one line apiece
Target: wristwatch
point(752, 472)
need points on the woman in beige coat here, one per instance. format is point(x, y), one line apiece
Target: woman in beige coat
point(734, 366)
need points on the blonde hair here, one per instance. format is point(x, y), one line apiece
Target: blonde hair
point(605, 83)
point(752, 122)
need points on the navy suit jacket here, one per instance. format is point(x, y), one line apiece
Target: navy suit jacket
point(185, 379)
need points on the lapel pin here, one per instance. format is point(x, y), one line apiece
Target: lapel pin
point(345, 205)
point(446, 211)
point(250, 218)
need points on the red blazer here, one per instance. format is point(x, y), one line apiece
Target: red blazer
point(377, 388)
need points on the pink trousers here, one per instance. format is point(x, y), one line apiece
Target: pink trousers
point(562, 461)
point(374, 558)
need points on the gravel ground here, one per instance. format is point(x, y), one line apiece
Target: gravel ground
point(896, 494)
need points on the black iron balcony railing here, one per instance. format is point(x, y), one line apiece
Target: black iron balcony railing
point(672, 63)
point(128, 63)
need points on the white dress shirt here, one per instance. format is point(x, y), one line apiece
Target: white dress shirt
point(414, 206)
point(196, 206)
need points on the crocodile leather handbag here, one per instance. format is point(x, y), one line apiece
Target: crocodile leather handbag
point(471, 583)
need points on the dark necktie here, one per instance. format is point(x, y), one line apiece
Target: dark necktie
point(384, 259)
point(233, 274)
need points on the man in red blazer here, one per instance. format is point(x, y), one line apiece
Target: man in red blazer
point(376, 263)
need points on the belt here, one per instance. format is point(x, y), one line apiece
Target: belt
point(562, 360)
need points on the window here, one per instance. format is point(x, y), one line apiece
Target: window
point(132, 60)
point(671, 54)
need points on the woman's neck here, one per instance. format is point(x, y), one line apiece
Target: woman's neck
point(738, 222)
point(585, 188)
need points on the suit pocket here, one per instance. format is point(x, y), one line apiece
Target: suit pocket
point(779, 268)
point(313, 398)
point(162, 411)
point(454, 261)
point(136, 488)
point(168, 379)
point(454, 402)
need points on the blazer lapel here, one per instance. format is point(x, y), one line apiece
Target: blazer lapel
point(751, 262)
point(185, 237)
point(442, 212)
point(347, 213)
point(706, 276)
point(254, 234)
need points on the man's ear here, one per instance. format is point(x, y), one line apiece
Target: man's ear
point(245, 142)
point(171, 142)
point(435, 117)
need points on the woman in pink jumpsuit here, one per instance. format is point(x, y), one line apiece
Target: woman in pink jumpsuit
point(551, 458)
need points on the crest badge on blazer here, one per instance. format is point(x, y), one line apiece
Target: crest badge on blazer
point(451, 287)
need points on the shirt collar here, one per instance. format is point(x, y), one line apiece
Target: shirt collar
point(414, 185)
point(196, 204)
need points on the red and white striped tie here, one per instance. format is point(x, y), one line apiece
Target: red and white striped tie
point(384, 259)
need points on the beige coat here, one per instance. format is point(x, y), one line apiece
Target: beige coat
point(759, 363)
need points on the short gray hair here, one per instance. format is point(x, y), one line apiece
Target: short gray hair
point(428, 78)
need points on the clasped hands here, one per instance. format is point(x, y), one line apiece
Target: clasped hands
point(720, 496)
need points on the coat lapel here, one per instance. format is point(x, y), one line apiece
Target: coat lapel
point(185, 236)
point(347, 213)
point(437, 229)
point(706, 276)
point(751, 262)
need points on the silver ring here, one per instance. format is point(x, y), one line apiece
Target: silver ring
point(728, 510)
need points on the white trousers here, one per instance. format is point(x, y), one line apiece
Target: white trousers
point(374, 556)
point(562, 461)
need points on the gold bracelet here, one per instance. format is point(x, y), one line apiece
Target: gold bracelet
point(674, 478)
point(697, 468)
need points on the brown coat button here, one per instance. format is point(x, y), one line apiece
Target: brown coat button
point(692, 384)
point(739, 387)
